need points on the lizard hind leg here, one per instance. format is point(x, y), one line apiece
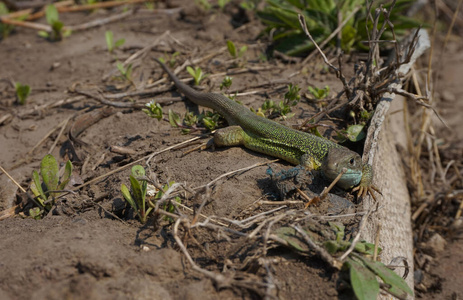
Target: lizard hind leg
point(229, 136)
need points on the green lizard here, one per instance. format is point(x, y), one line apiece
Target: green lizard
point(265, 136)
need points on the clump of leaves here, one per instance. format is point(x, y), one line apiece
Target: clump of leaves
point(319, 93)
point(110, 43)
point(57, 27)
point(226, 83)
point(22, 92)
point(361, 271)
point(154, 110)
point(283, 109)
point(48, 184)
point(170, 60)
point(136, 197)
point(321, 17)
point(197, 74)
point(209, 119)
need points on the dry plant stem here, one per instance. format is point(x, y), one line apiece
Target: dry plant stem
point(375, 253)
point(99, 22)
point(12, 179)
point(62, 124)
point(337, 71)
point(332, 35)
point(148, 157)
point(107, 4)
point(110, 103)
point(319, 250)
point(65, 123)
point(219, 279)
point(246, 223)
point(357, 236)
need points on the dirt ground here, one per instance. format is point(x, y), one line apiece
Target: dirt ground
point(91, 246)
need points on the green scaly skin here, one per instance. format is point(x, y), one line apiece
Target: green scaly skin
point(265, 136)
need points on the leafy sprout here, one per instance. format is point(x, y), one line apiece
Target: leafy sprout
point(197, 74)
point(110, 41)
point(153, 110)
point(319, 93)
point(136, 197)
point(22, 92)
point(48, 184)
point(58, 31)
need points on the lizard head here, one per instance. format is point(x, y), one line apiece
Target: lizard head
point(339, 158)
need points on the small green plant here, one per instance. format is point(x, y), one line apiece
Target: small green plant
point(154, 110)
point(110, 41)
point(283, 109)
point(318, 93)
point(197, 74)
point(22, 92)
point(235, 54)
point(126, 72)
point(226, 83)
point(137, 196)
point(170, 60)
point(57, 27)
point(48, 185)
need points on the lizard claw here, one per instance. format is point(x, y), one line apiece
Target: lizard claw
point(366, 187)
point(363, 190)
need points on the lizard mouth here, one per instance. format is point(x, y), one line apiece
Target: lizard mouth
point(336, 161)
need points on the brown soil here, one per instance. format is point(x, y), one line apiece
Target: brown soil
point(91, 246)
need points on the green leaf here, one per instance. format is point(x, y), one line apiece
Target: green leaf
point(43, 33)
point(355, 133)
point(363, 281)
point(191, 71)
point(51, 14)
point(398, 286)
point(121, 68)
point(66, 176)
point(137, 191)
point(174, 119)
point(128, 197)
point(290, 235)
point(49, 170)
point(109, 40)
point(138, 171)
point(231, 48)
point(119, 43)
point(36, 188)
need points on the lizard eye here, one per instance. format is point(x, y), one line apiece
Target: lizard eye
point(352, 161)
